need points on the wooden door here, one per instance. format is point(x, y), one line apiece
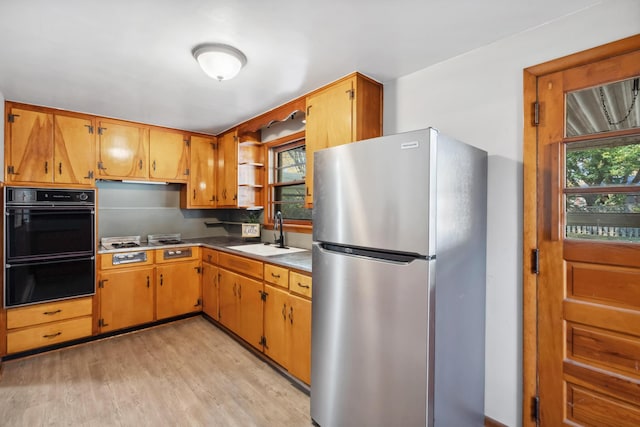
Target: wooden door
point(251, 317)
point(227, 171)
point(228, 308)
point(201, 189)
point(275, 324)
point(168, 156)
point(299, 338)
point(74, 152)
point(123, 150)
point(329, 123)
point(179, 289)
point(588, 294)
point(126, 298)
point(210, 290)
point(29, 150)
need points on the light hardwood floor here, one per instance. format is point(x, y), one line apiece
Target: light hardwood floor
point(185, 373)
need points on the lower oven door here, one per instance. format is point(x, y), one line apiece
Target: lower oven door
point(38, 281)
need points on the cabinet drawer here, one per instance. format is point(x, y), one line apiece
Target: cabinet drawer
point(106, 261)
point(48, 334)
point(240, 264)
point(300, 284)
point(210, 256)
point(276, 275)
point(177, 254)
point(48, 312)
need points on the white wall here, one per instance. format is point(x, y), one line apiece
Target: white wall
point(477, 98)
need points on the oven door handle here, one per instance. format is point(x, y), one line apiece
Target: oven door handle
point(49, 260)
point(49, 208)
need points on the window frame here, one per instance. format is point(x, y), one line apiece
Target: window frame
point(284, 143)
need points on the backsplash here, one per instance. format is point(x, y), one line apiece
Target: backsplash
point(140, 209)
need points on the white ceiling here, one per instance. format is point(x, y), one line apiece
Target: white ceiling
point(132, 59)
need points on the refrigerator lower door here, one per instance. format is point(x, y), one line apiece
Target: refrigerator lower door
point(371, 341)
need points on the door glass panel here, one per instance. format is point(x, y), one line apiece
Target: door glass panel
point(602, 189)
point(605, 108)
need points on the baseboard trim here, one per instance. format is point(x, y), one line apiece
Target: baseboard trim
point(490, 422)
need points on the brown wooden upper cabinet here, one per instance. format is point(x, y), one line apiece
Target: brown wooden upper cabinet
point(47, 147)
point(123, 150)
point(200, 191)
point(168, 155)
point(346, 111)
point(227, 170)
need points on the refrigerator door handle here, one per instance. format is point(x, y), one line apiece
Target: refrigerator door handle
point(395, 257)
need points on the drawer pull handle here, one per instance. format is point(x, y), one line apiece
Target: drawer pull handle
point(277, 276)
point(52, 335)
point(50, 313)
point(303, 286)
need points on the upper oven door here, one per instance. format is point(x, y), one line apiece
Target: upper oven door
point(36, 232)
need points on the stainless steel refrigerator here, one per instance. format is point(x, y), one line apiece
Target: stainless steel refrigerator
point(399, 230)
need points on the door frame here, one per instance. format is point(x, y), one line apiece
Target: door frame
point(530, 196)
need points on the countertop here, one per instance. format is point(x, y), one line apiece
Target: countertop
point(297, 260)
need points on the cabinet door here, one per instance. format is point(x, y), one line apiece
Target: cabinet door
point(275, 324)
point(251, 317)
point(329, 123)
point(299, 338)
point(201, 187)
point(123, 150)
point(168, 156)
point(227, 188)
point(74, 152)
point(210, 290)
point(126, 298)
point(179, 289)
point(228, 308)
point(29, 151)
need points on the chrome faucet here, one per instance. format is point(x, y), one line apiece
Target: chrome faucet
point(278, 226)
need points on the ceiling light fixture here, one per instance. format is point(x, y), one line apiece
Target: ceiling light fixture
point(219, 61)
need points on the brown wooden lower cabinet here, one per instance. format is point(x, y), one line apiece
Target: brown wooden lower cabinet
point(178, 289)
point(46, 324)
point(287, 331)
point(210, 289)
point(126, 297)
point(273, 314)
point(240, 306)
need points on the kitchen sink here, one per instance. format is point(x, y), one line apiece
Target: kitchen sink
point(265, 250)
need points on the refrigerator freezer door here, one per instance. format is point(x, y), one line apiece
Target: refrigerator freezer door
point(370, 341)
point(377, 193)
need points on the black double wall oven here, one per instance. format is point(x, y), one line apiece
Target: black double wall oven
point(49, 244)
